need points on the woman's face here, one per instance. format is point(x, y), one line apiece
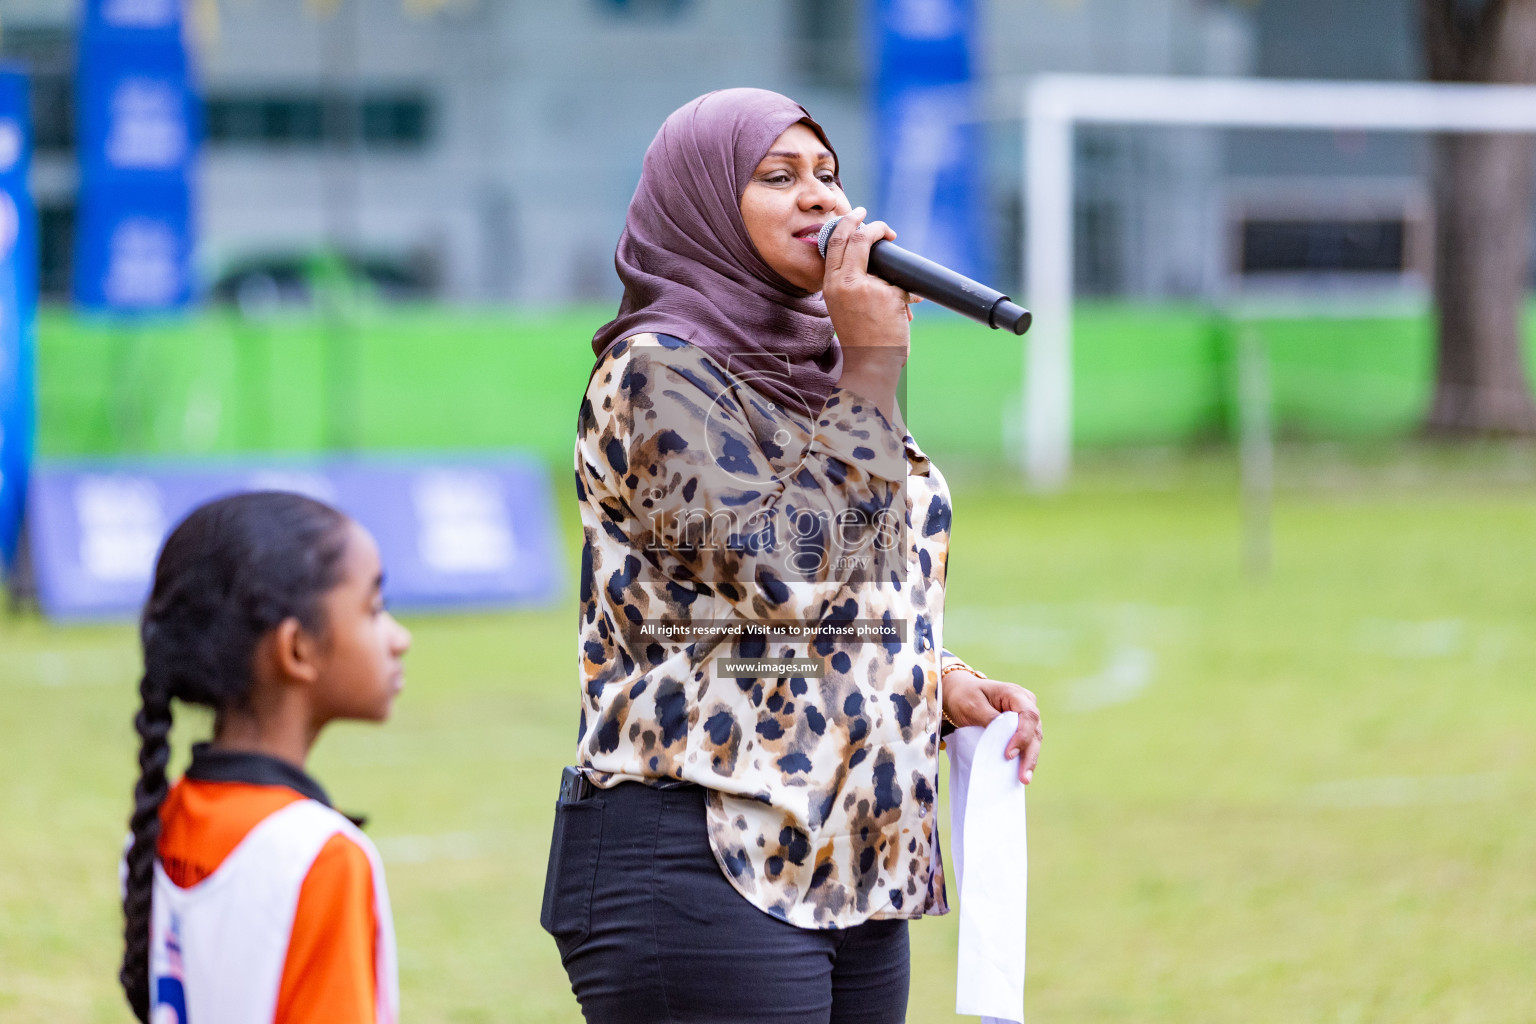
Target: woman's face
point(791, 195)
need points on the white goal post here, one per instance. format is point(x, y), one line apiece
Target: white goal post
point(1055, 104)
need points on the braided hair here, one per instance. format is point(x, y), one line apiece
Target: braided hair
point(231, 572)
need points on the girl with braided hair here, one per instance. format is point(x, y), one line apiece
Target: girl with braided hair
point(247, 898)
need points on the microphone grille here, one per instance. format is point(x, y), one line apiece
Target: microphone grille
point(826, 235)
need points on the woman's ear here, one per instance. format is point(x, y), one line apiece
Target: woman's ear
point(293, 652)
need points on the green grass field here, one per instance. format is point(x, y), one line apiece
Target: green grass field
point(1305, 799)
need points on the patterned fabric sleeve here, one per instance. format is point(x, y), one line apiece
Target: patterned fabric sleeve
point(949, 659)
point(674, 460)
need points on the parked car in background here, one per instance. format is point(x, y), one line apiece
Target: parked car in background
point(271, 282)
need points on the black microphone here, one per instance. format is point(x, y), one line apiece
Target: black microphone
point(912, 273)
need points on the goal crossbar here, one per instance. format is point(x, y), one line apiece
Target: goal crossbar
point(1055, 104)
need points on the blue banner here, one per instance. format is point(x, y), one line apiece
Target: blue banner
point(927, 131)
point(469, 531)
point(131, 21)
point(137, 116)
point(18, 306)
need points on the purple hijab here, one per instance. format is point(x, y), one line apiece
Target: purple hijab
point(690, 269)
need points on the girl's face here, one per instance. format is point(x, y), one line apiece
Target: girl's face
point(791, 195)
point(360, 671)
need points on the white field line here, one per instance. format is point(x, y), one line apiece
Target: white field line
point(1051, 635)
point(1128, 673)
point(1090, 611)
point(1411, 640)
point(1405, 791)
point(71, 668)
point(1027, 642)
point(1042, 634)
point(424, 849)
point(63, 996)
point(1438, 638)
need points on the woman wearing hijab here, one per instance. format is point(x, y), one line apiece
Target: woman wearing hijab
point(762, 585)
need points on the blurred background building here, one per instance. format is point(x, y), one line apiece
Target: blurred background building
point(485, 150)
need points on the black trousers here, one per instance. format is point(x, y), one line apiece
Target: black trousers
point(650, 931)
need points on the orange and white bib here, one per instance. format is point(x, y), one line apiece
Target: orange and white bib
point(218, 948)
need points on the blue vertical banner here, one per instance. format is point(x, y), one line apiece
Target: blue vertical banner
point(18, 307)
point(927, 129)
point(137, 117)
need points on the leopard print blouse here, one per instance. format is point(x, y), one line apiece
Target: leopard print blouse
point(720, 526)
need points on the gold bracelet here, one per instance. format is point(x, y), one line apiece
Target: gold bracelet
point(957, 665)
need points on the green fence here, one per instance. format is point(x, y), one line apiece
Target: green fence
point(427, 378)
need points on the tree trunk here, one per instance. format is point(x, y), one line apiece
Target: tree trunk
point(1483, 205)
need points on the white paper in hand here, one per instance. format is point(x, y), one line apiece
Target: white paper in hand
point(988, 835)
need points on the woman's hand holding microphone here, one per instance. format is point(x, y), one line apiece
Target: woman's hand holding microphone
point(871, 317)
point(873, 321)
